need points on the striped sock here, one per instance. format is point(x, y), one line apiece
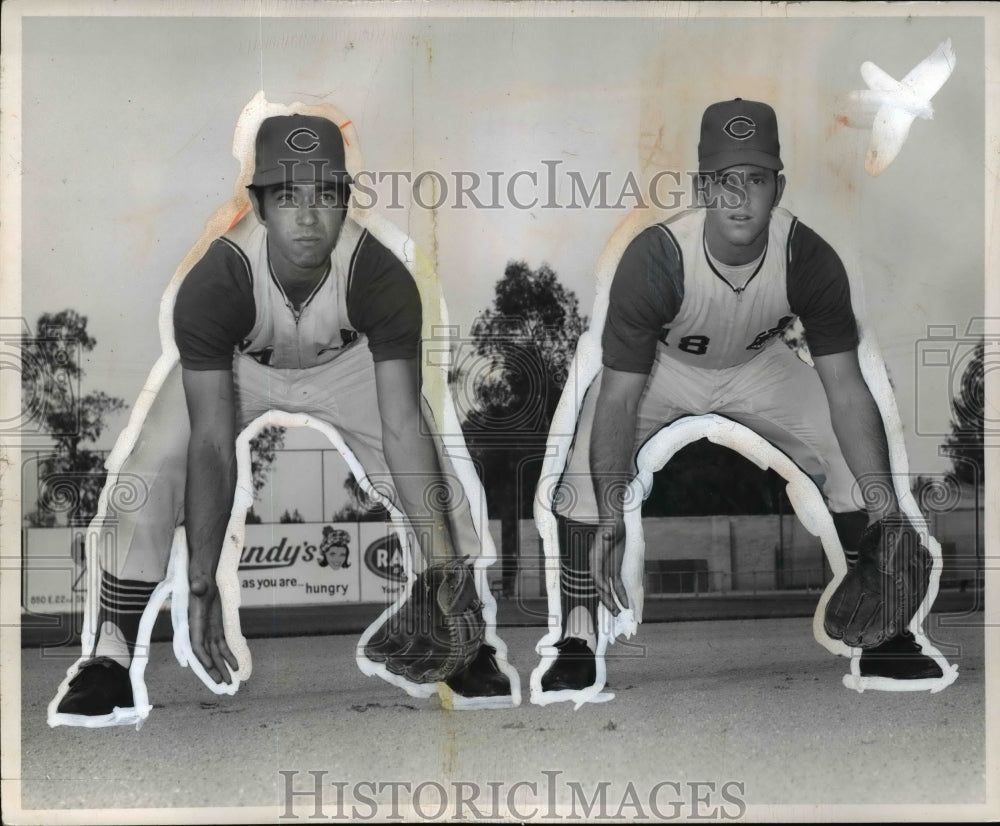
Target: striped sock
point(576, 585)
point(122, 604)
point(850, 526)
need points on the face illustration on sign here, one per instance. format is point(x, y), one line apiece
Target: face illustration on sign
point(335, 557)
point(334, 550)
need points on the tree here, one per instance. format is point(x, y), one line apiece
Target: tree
point(361, 507)
point(72, 476)
point(264, 449)
point(523, 348)
point(291, 518)
point(965, 444)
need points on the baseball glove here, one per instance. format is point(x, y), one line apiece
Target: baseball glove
point(879, 596)
point(439, 629)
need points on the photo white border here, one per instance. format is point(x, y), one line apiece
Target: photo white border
point(10, 249)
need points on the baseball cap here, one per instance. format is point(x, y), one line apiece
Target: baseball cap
point(739, 131)
point(299, 149)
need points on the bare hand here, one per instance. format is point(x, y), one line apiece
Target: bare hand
point(208, 636)
point(606, 567)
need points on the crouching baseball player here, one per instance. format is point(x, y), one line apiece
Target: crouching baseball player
point(297, 308)
point(697, 307)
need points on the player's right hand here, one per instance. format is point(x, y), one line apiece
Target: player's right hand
point(606, 566)
point(208, 635)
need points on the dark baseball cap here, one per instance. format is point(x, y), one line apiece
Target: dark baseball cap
point(299, 149)
point(737, 132)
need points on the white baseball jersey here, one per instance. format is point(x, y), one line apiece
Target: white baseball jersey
point(281, 336)
point(667, 296)
point(720, 324)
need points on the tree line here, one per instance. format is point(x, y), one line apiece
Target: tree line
point(508, 377)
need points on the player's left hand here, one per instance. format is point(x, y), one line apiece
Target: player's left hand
point(879, 596)
point(208, 635)
point(606, 566)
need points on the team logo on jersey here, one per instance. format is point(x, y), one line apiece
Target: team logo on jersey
point(775, 331)
point(262, 356)
point(740, 127)
point(302, 140)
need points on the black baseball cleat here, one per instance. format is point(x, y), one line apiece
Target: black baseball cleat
point(101, 685)
point(575, 667)
point(482, 677)
point(899, 659)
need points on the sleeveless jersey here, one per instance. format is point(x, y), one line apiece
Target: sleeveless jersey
point(320, 330)
point(718, 324)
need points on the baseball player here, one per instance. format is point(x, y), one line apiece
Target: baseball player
point(297, 307)
point(697, 307)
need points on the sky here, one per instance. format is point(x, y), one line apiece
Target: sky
point(127, 128)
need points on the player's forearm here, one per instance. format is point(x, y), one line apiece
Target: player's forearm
point(425, 494)
point(860, 432)
point(611, 440)
point(211, 483)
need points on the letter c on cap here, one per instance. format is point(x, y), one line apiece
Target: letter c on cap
point(304, 140)
point(740, 127)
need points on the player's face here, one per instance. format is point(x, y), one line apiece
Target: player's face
point(739, 210)
point(303, 223)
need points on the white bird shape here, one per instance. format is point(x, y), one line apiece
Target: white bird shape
point(889, 106)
